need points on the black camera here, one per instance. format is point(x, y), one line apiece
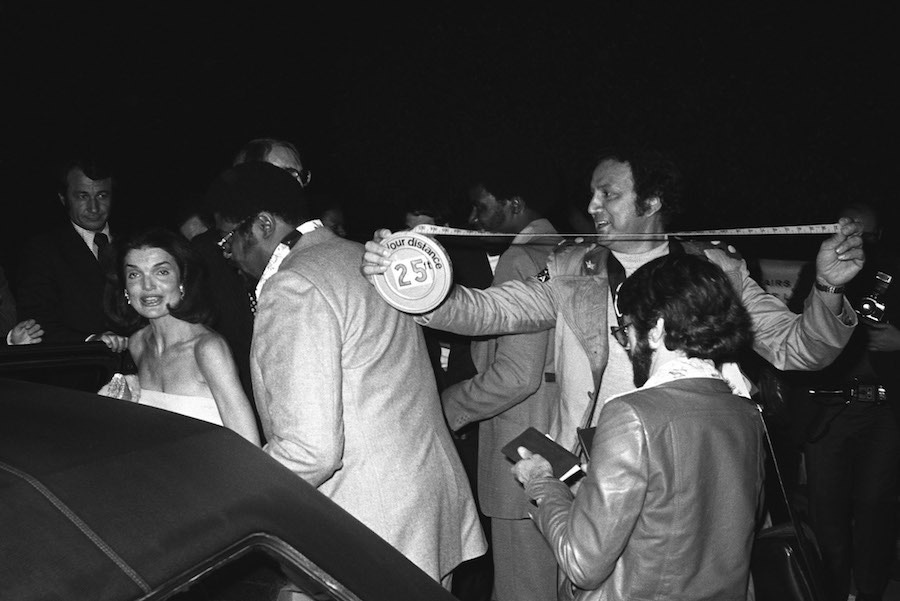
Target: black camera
point(872, 305)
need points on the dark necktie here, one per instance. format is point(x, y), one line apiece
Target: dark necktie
point(105, 256)
point(101, 241)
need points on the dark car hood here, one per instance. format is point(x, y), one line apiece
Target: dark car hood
point(160, 495)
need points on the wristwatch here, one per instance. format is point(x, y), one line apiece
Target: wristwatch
point(831, 289)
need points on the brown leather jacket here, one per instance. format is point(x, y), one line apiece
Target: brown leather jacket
point(667, 510)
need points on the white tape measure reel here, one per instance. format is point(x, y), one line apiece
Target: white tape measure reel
point(420, 274)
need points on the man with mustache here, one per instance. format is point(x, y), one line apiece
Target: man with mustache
point(634, 195)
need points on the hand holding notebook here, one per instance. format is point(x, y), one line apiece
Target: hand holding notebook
point(564, 463)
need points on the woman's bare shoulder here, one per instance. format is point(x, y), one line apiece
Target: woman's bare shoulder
point(137, 342)
point(210, 345)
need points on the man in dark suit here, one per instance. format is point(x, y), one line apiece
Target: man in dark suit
point(515, 386)
point(63, 271)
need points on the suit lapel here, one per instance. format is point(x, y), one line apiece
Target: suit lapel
point(79, 256)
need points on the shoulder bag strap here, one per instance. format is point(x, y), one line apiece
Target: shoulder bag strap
point(798, 529)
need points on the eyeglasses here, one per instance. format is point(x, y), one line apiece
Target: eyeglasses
point(620, 333)
point(304, 176)
point(225, 242)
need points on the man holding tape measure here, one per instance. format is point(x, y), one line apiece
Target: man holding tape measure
point(634, 196)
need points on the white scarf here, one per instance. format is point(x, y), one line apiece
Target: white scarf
point(694, 367)
point(281, 251)
point(684, 367)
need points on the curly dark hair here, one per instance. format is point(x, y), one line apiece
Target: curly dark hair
point(654, 174)
point(703, 314)
point(193, 308)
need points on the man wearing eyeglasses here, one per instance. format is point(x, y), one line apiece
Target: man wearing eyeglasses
point(634, 196)
point(231, 291)
point(342, 381)
point(667, 510)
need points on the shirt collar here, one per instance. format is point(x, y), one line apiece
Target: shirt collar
point(281, 251)
point(538, 226)
point(88, 235)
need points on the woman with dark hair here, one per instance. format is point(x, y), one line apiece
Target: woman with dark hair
point(183, 366)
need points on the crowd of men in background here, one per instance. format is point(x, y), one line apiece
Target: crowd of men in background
point(559, 339)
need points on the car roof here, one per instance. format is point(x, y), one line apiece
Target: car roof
point(105, 499)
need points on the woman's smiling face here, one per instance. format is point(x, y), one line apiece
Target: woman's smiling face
point(152, 281)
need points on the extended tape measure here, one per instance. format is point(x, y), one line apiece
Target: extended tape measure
point(421, 274)
point(823, 228)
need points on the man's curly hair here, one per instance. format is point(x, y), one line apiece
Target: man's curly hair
point(654, 174)
point(703, 314)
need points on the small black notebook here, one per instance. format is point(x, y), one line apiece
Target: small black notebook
point(564, 463)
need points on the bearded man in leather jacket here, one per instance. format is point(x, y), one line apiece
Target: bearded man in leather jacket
point(667, 509)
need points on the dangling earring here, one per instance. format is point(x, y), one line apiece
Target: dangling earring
point(127, 298)
point(181, 287)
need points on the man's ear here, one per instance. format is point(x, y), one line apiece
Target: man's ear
point(516, 205)
point(62, 198)
point(657, 334)
point(652, 206)
point(267, 224)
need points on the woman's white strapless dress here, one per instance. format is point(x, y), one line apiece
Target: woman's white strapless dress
point(191, 406)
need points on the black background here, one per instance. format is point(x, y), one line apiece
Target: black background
point(777, 116)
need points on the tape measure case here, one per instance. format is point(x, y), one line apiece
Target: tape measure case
point(420, 274)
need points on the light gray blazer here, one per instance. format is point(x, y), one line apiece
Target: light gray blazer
point(347, 400)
